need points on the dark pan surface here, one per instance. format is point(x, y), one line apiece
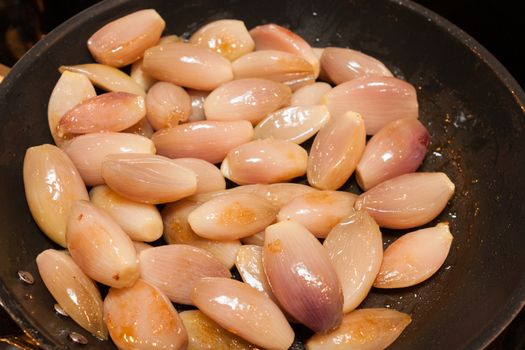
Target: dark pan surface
point(472, 107)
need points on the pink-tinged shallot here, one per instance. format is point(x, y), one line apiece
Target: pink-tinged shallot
point(147, 178)
point(209, 177)
point(89, 151)
point(143, 79)
point(112, 111)
point(204, 333)
point(379, 100)
point(231, 216)
point(295, 124)
point(277, 194)
point(274, 37)
point(279, 66)
point(318, 211)
point(175, 268)
point(75, 292)
point(408, 200)
point(142, 318)
point(246, 99)
point(208, 140)
point(140, 246)
point(137, 73)
point(52, 184)
point(302, 277)
point(249, 264)
point(397, 149)
point(99, 246)
point(336, 151)
point(363, 329)
point(414, 257)
point(243, 311)
point(341, 65)
point(187, 65)
point(106, 77)
point(168, 105)
point(124, 40)
point(265, 161)
point(227, 37)
point(177, 230)
point(197, 104)
point(355, 248)
point(142, 222)
point(70, 90)
point(256, 239)
point(142, 128)
point(310, 95)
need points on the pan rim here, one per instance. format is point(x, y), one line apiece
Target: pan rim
point(481, 340)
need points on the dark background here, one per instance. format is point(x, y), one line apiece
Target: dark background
point(497, 25)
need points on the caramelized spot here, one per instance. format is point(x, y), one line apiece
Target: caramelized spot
point(319, 198)
point(275, 246)
point(116, 277)
point(237, 214)
point(80, 217)
point(182, 231)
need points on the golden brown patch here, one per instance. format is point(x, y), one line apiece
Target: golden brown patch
point(116, 277)
point(275, 246)
point(237, 214)
point(80, 217)
point(320, 197)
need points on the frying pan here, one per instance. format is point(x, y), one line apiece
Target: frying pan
point(473, 108)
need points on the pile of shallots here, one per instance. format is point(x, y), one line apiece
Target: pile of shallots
point(247, 100)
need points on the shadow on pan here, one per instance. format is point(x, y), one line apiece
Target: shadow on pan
point(472, 107)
